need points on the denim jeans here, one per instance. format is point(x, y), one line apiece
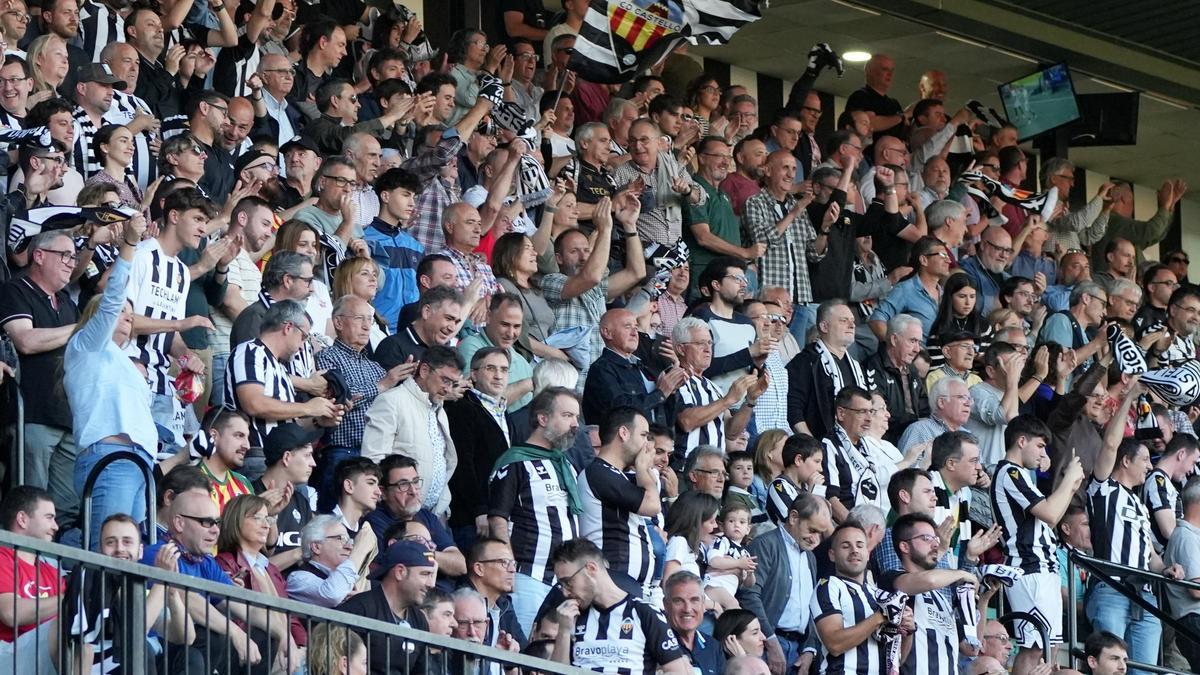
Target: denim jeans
point(804, 317)
point(50, 454)
point(216, 397)
point(527, 597)
point(168, 413)
point(1109, 610)
point(120, 488)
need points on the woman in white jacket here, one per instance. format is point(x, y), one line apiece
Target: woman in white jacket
point(409, 420)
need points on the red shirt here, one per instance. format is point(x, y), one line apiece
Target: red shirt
point(42, 581)
point(739, 189)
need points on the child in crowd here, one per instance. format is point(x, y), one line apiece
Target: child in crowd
point(740, 467)
point(691, 522)
point(728, 564)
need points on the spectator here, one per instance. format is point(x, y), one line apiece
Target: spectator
point(1159, 283)
point(750, 159)
point(28, 582)
point(1073, 267)
point(1183, 320)
point(392, 247)
point(502, 330)
point(663, 223)
point(939, 625)
point(1120, 467)
point(401, 503)
point(770, 326)
point(1029, 260)
point(491, 571)
point(1077, 327)
point(684, 610)
point(896, 376)
point(473, 624)
point(618, 505)
point(406, 571)
point(822, 369)
point(778, 600)
point(355, 492)
point(224, 436)
point(39, 317)
point(364, 378)
point(780, 220)
point(950, 405)
point(334, 213)
point(618, 377)
point(478, 421)
point(332, 562)
point(1161, 491)
point(257, 384)
point(995, 400)
point(887, 117)
point(157, 290)
point(535, 499)
point(193, 528)
point(1137, 235)
point(581, 289)
point(917, 294)
point(850, 475)
point(1106, 653)
point(330, 648)
point(581, 647)
point(736, 346)
point(702, 413)
point(746, 631)
point(441, 312)
point(988, 268)
point(713, 228)
point(245, 526)
point(959, 348)
point(409, 420)
point(288, 452)
point(1182, 550)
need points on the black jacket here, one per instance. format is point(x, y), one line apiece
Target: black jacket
point(810, 393)
point(614, 381)
point(889, 385)
point(480, 442)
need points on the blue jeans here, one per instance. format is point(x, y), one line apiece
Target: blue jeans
point(322, 477)
point(216, 397)
point(804, 317)
point(527, 598)
point(791, 652)
point(120, 488)
point(1109, 610)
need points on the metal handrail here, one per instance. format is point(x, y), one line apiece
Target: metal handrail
point(138, 571)
point(90, 484)
point(1028, 617)
point(1095, 567)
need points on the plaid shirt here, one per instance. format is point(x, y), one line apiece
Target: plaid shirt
point(584, 309)
point(467, 265)
point(786, 261)
point(661, 224)
point(436, 193)
point(362, 375)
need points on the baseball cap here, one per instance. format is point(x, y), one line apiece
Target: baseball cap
point(247, 158)
point(284, 437)
point(407, 553)
point(305, 142)
point(98, 72)
point(950, 337)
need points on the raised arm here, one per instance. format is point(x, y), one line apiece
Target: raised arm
point(1107, 459)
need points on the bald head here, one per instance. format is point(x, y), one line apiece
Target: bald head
point(618, 329)
point(879, 72)
point(780, 170)
point(986, 665)
point(122, 59)
point(933, 85)
point(746, 665)
point(463, 226)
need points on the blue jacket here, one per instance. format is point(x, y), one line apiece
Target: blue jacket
point(989, 289)
point(398, 254)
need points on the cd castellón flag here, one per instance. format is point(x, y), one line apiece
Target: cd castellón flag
point(619, 38)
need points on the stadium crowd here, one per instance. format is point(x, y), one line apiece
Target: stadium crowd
point(635, 377)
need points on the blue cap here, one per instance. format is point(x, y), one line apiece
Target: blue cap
point(407, 553)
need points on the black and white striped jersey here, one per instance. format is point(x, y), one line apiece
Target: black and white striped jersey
point(530, 496)
point(158, 288)
point(1161, 494)
point(1120, 524)
point(854, 602)
point(850, 473)
point(935, 644)
point(629, 638)
point(253, 363)
point(1028, 542)
point(955, 505)
point(780, 495)
point(83, 156)
point(698, 392)
point(234, 64)
point(304, 361)
point(611, 499)
point(99, 26)
point(144, 167)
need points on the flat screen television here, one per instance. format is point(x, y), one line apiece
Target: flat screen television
point(1041, 101)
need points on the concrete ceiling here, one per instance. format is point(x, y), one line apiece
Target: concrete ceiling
point(931, 36)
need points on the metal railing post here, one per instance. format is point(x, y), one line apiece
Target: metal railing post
point(1072, 613)
point(90, 485)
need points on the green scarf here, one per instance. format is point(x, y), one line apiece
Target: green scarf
point(566, 473)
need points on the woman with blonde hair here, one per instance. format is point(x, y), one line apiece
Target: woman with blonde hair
point(768, 463)
point(336, 650)
point(246, 526)
point(362, 278)
point(48, 58)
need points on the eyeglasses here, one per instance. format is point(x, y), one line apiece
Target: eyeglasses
point(525, 56)
point(223, 108)
point(280, 71)
point(57, 159)
point(1172, 284)
point(999, 249)
point(340, 538)
point(566, 581)
point(856, 411)
point(777, 318)
point(710, 471)
point(405, 485)
point(927, 538)
point(360, 318)
point(1098, 297)
point(810, 109)
point(12, 81)
point(700, 343)
point(270, 167)
point(993, 167)
point(1067, 177)
point(467, 623)
point(295, 325)
point(263, 520)
point(1000, 638)
point(937, 254)
point(206, 523)
point(198, 150)
point(506, 563)
point(342, 181)
point(1181, 261)
point(740, 278)
point(67, 257)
